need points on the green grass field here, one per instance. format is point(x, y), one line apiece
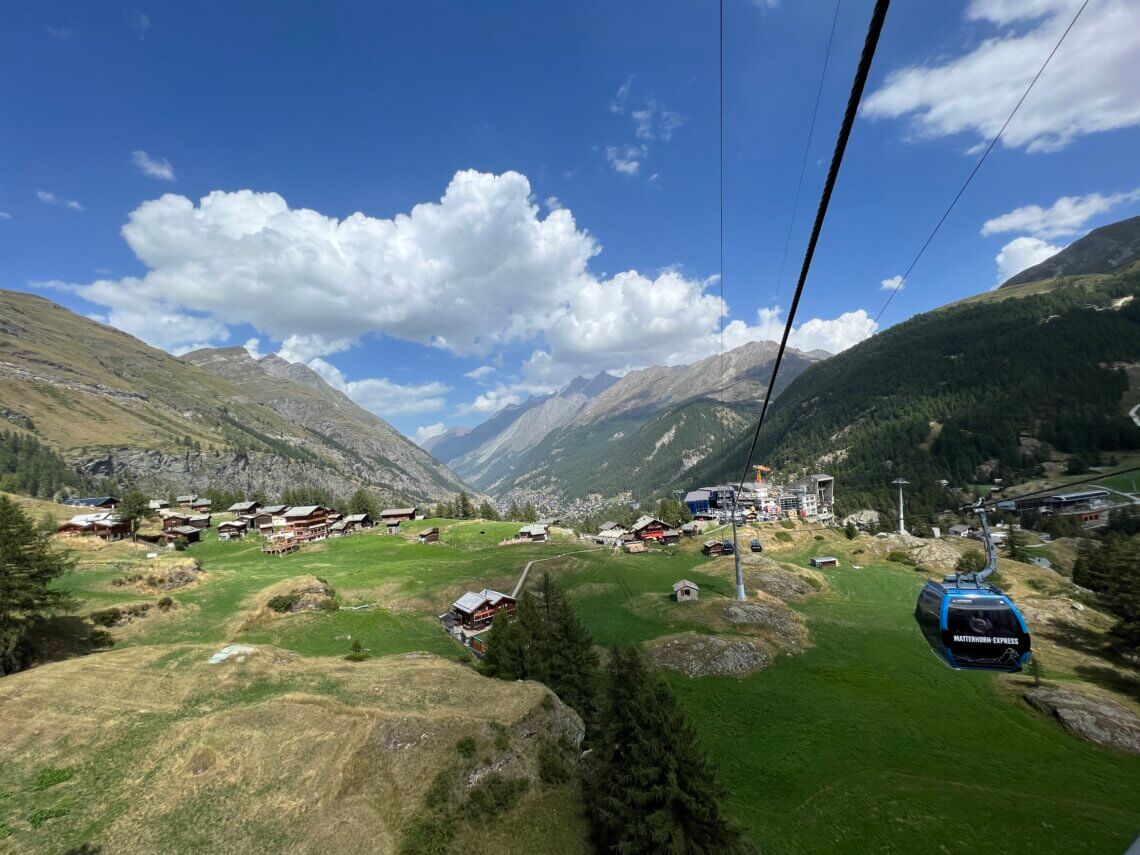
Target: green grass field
point(863, 743)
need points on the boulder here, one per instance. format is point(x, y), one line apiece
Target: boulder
point(1097, 720)
point(697, 655)
point(862, 519)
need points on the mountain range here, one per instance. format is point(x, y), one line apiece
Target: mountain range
point(606, 436)
point(115, 407)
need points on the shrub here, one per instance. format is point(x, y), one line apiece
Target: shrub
point(548, 702)
point(165, 604)
point(900, 557)
point(554, 767)
point(5, 830)
point(431, 835)
point(439, 791)
point(858, 551)
point(181, 543)
point(497, 793)
point(357, 657)
point(330, 605)
point(50, 776)
point(106, 617)
point(787, 524)
point(466, 747)
point(814, 582)
point(783, 537)
point(502, 738)
point(283, 602)
point(819, 537)
point(41, 816)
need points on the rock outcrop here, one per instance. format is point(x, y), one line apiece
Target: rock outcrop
point(1097, 720)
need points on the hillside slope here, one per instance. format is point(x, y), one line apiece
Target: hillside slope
point(113, 406)
point(990, 387)
point(1100, 251)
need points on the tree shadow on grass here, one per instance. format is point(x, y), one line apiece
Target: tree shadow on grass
point(1108, 678)
point(63, 637)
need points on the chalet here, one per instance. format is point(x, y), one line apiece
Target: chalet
point(106, 502)
point(158, 504)
point(307, 522)
point(635, 546)
point(821, 561)
point(266, 513)
point(232, 530)
point(187, 532)
point(685, 591)
point(202, 505)
point(649, 528)
point(429, 535)
point(354, 522)
point(81, 525)
point(244, 508)
point(713, 548)
point(338, 529)
point(175, 520)
point(535, 533)
point(690, 529)
point(610, 525)
point(670, 536)
point(201, 521)
point(388, 516)
point(184, 502)
point(474, 611)
point(959, 530)
point(610, 534)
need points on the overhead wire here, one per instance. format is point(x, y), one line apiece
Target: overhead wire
point(874, 30)
point(977, 166)
point(803, 169)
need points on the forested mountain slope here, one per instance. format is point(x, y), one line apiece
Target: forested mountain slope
point(983, 388)
point(114, 407)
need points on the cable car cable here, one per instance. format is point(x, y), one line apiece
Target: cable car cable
point(874, 29)
point(977, 166)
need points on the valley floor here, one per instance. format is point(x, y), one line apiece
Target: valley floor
point(854, 738)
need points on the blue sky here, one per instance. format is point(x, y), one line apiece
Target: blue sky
point(563, 158)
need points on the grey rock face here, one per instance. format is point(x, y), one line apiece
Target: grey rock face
point(1104, 722)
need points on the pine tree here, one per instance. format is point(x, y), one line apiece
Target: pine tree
point(648, 785)
point(464, 510)
point(514, 514)
point(364, 502)
point(133, 510)
point(529, 514)
point(487, 511)
point(28, 565)
point(504, 656)
point(1015, 545)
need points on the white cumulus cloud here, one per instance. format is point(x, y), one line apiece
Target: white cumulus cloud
point(895, 283)
point(1021, 253)
point(625, 159)
point(381, 395)
point(480, 373)
point(1066, 216)
point(159, 168)
point(426, 432)
point(1090, 86)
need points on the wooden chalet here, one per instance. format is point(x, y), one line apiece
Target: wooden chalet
point(610, 534)
point(188, 532)
point(102, 524)
point(390, 516)
point(158, 504)
point(201, 504)
point(535, 533)
point(307, 522)
point(649, 528)
point(690, 529)
point(475, 610)
point(354, 522)
point(176, 520)
point(686, 591)
point(184, 502)
point(201, 520)
point(94, 502)
point(671, 536)
point(232, 530)
point(268, 517)
point(429, 535)
point(244, 508)
point(713, 548)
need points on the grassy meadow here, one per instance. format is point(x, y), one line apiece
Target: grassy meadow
point(862, 742)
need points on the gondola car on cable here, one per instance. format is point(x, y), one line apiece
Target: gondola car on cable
point(970, 624)
point(756, 545)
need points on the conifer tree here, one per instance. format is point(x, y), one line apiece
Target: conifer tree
point(464, 510)
point(529, 514)
point(648, 785)
point(513, 512)
point(364, 502)
point(487, 511)
point(28, 565)
point(133, 510)
point(504, 656)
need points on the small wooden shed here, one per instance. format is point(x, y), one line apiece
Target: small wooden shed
point(429, 535)
point(685, 591)
point(712, 548)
